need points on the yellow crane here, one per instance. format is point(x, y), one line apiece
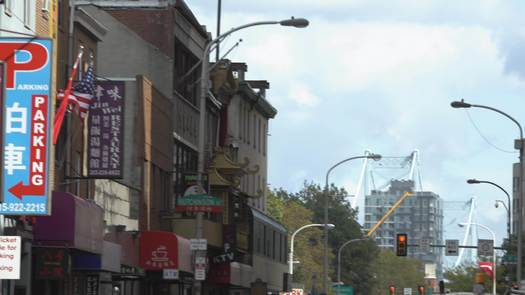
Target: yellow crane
point(384, 218)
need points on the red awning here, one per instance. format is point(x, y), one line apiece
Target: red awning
point(164, 250)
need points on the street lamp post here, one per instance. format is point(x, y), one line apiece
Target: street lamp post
point(292, 22)
point(518, 144)
point(326, 196)
point(290, 256)
point(508, 215)
point(493, 251)
point(476, 181)
point(339, 256)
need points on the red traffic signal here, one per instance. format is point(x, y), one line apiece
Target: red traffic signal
point(392, 290)
point(420, 290)
point(402, 244)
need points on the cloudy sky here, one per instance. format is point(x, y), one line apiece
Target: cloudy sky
point(380, 75)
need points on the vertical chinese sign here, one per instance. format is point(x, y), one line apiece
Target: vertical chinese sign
point(26, 124)
point(106, 133)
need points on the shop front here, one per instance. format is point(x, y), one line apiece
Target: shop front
point(166, 260)
point(127, 281)
point(68, 239)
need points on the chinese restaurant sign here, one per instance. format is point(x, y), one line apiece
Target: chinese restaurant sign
point(106, 134)
point(26, 126)
point(51, 263)
point(158, 250)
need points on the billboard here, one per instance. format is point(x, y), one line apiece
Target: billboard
point(26, 126)
point(106, 133)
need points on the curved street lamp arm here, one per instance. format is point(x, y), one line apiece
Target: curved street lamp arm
point(339, 256)
point(339, 163)
point(498, 186)
point(503, 113)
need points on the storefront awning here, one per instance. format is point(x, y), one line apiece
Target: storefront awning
point(75, 223)
point(164, 250)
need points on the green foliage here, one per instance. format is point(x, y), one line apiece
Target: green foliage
point(461, 278)
point(306, 206)
point(402, 272)
point(308, 243)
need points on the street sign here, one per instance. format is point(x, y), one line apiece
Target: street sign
point(451, 247)
point(485, 247)
point(200, 274)
point(170, 274)
point(424, 245)
point(10, 247)
point(344, 290)
point(407, 291)
point(198, 244)
point(200, 262)
point(509, 259)
point(26, 126)
point(199, 203)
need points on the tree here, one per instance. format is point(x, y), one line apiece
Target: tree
point(357, 258)
point(308, 243)
point(402, 272)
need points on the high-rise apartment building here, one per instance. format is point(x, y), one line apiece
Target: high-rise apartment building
point(420, 216)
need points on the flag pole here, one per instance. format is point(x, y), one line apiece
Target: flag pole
point(59, 116)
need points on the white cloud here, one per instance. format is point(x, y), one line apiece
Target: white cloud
point(381, 75)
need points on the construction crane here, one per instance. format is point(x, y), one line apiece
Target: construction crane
point(389, 212)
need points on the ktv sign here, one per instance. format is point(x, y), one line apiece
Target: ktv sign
point(26, 124)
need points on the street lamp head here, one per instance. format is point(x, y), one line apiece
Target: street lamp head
point(496, 205)
point(295, 22)
point(330, 226)
point(472, 181)
point(375, 157)
point(460, 104)
point(462, 224)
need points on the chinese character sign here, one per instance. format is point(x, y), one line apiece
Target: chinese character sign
point(106, 133)
point(26, 126)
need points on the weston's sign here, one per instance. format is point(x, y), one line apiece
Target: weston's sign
point(26, 126)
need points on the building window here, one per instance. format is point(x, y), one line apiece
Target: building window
point(45, 5)
point(274, 240)
point(254, 131)
point(27, 13)
point(185, 81)
point(8, 7)
point(265, 138)
point(241, 120)
point(259, 132)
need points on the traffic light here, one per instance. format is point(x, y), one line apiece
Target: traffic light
point(441, 287)
point(420, 290)
point(392, 289)
point(402, 245)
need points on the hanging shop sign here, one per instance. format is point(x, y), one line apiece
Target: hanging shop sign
point(50, 263)
point(106, 133)
point(26, 123)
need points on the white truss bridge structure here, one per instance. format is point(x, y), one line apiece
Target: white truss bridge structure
point(377, 175)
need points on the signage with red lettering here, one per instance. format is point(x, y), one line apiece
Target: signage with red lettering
point(26, 126)
point(10, 247)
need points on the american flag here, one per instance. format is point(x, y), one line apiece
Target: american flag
point(82, 94)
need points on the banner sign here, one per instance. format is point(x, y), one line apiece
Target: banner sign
point(106, 133)
point(26, 123)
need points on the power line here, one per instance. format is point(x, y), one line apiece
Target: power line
point(485, 138)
